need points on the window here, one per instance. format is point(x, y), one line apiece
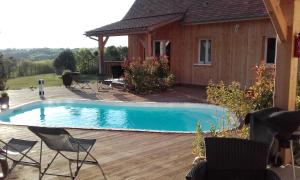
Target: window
point(270, 50)
point(205, 51)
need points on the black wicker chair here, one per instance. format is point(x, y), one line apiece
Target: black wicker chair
point(233, 159)
point(59, 140)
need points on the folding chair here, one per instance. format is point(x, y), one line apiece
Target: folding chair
point(59, 140)
point(18, 148)
point(79, 82)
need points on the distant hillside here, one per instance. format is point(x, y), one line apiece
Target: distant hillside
point(33, 54)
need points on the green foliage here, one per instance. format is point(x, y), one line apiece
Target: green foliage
point(32, 54)
point(3, 75)
point(30, 68)
point(298, 102)
point(113, 53)
point(87, 62)
point(230, 97)
point(4, 94)
point(65, 60)
point(263, 87)
point(147, 75)
point(67, 77)
point(198, 146)
point(239, 102)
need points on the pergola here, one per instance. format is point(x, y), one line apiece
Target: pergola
point(285, 16)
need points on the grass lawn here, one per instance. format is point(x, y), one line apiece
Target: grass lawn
point(32, 81)
point(50, 80)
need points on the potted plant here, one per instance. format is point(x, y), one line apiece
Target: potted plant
point(4, 99)
point(67, 78)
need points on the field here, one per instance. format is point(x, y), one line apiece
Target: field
point(32, 81)
point(50, 80)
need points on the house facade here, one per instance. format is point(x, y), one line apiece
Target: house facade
point(204, 40)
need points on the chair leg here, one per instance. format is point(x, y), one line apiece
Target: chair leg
point(70, 167)
point(40, 168)
point(293, 160)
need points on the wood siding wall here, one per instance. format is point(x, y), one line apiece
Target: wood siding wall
point(236, 48)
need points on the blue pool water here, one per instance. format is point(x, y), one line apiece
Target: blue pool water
point(115, 115)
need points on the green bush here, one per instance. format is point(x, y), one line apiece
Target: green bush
point(198, 146)
point(67, 78)
point(147, 75)
point(263, 88)
point(65, 61)
point(230, 97)
point(239, 101)
point(86, 61)
point(3, 75)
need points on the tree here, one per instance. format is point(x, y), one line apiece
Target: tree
point(3, 76)
point(111, 54)
point(86, 61)
point(123, 51)
point(65, 61)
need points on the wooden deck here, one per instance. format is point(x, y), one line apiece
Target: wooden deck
point(123, 155)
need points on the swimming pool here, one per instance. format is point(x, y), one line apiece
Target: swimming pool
point(164, 117)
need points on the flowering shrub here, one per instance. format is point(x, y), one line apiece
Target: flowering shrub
point(198, 146)
point(239, 102)
point(230, 97)
point(263, 88)
point(147, 75)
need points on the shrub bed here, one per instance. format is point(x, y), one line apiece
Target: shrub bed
point(145, 76)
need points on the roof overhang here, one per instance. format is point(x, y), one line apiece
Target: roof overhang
point(134, 26)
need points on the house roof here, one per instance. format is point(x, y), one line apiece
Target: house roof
point(225, 10)
point(129, 26)
point(144, 15)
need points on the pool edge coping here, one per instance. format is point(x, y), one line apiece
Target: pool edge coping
point(106, 101)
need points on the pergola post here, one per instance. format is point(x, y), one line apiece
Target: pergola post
point(101, 45)
point(287, 64)
point(285, 16)
point(148, 45)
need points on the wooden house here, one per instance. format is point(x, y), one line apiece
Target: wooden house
point(204, 39)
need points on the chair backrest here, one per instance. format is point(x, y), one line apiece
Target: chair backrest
point(236, 154)
point(230, 159)
point(285, 123)
point(55, 138)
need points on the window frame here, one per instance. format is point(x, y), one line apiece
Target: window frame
point(266, 49)
point(206, 61)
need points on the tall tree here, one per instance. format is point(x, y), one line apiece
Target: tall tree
point(3, 76)
point(86, 61)
point(65, 61)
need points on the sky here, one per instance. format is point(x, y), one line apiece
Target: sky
point(57, 23)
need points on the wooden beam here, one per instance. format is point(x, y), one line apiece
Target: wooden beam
point(101, 45)
point(142, 41)
point(105, 41)
point(286, 64)
point(278, 18)
point(149, 45)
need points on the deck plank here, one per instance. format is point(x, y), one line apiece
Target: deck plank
point(123, 155)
